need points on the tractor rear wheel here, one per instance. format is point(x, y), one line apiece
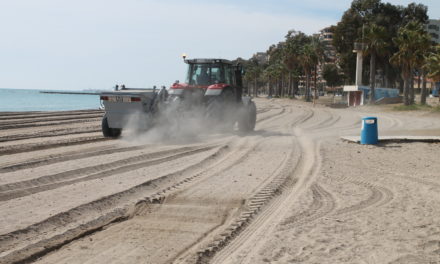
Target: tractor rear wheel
point(221, 111)
point(248, 118)
point(214, 112)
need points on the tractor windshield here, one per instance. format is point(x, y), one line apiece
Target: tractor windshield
point(206, 74)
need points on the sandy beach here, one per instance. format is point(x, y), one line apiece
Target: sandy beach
point(290, 192)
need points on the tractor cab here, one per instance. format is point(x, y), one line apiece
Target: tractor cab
point(210, 77)
point(205, 72)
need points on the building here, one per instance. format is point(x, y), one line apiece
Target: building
point(433, 28)
point(326, 37)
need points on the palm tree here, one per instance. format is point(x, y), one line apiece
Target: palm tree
point(276, 69)
point(252, 75)
point(291, 56)
point(432, 65)
point(412, 41)
point(318, 59)
point(307, 58)
point(273, 74)
point(375, 44)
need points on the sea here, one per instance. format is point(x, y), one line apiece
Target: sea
point(20, 100)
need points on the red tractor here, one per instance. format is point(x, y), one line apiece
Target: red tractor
point(215, 85)
point(213, 91)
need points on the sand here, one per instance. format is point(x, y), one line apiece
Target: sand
point(290, 192)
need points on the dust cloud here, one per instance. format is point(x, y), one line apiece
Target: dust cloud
point(176, 121)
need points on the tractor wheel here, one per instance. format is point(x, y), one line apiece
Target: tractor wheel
point(116, 132)
point(248, 118)
point(108, 131)
point(230, 108)
point(220, 112)
point(214, 112)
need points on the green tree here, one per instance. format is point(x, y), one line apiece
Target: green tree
point(307, 58)
point(432, 65)
point(273, 73)
point(353, 26)
point(367, 9)
point(346, 32)
point(431, 69)
point(331, 75)
point(350, 29)
point(412, 41)
point(375, 44)
point(415, 12)
point(294, 41)
point(319, 58)
point(276, 69)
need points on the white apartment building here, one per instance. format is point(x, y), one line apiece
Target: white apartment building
point(433, 28)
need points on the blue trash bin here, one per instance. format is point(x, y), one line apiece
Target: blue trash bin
point(369, 131)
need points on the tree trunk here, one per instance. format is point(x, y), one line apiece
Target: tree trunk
point(406, 89)
point(291, 94)
point(401, 85)
point(411, 89)
point(315, 96)
point(418, 80)
point(295, 87)
point(307, 86)
point(282, 85)
point(279, 87)
point(255, 87)
point(372, 78)
point(387, 80)
point(269, 87)
point(423, 94)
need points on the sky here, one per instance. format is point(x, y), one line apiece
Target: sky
point(96, 44)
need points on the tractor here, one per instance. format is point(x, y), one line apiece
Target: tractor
point(217, 85)
point(213, 87)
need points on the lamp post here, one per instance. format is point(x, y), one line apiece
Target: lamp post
point(359, 49)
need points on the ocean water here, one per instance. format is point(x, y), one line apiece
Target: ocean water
point(18, 100)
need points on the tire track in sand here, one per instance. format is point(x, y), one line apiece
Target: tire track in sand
point(181, 217)
point(378, 196)
point(51, 133)
point(245, 235)
point(283, 109)
point(50, 122)
point(236, 160)
point(74, 155)
point(45, 237)
point(49, 182)
point(205, 170)
point(330, 120)
point(322, 204)
point(20, 148)
point(30, 115)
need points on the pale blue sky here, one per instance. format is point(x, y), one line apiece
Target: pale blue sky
point(94, 44)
